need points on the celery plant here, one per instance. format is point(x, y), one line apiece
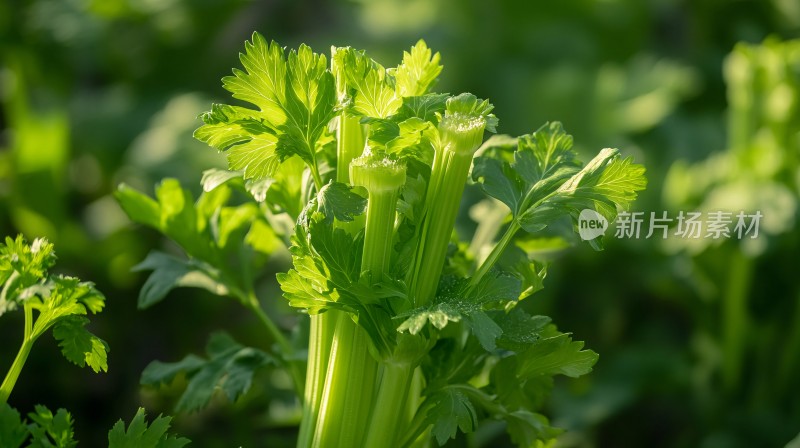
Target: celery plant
point(61, 303)
point(386, 163)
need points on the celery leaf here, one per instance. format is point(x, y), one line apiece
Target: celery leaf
point(230, 367)
point(295, 96)
point(140, 434)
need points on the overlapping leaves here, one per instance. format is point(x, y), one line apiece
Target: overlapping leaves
point(224, 244)
point(61, 301)
point(542, 181)
point(295, 96)
point(229, 367)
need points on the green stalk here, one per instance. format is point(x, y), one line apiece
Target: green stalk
point(792, 345)
point(287, 351)
point(350, 140)
point(460, 137)
point(349, 386)
point(319, 346)
point(22, 356)
point(390, 406)
point(346, 403)
point(349, 145)
point(734, 317)
point(495, 254)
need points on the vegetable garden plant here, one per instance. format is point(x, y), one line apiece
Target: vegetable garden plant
point(414, 333)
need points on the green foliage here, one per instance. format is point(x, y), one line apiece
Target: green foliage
point(295, 97)
point(225, 244)
point(230, 367)
point(44, 430)
point(13, 432)
point(474, 323)
point(542, 181)
point(141, 435)
point(60, 301)
point(22, 267)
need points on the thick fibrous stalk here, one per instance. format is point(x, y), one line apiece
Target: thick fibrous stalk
point(460, 136)
point(352, 371)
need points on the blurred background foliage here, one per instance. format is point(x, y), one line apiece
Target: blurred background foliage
point(699, 343)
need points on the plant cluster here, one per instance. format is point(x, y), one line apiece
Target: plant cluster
point(412, 335)
point(61, 304)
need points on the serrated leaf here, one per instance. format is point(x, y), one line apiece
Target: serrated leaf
point(542, 180)
point(455, 302)
point(540, 163)
point(519, 329)
point(368, 83)
point(79, 345)
point(169, 273)
point(67, 296)
point(418, 71)
point(13, 431)
point(49, 430)
point(527, 429)
point(452, 410)
point(426, 107)
point(485, 329)
point(214, 177)
point(295, 98)
point(338, 201)
point(141, 435)
point(604, 184)
point(230, 367)
point(556, 355)
point(22, 268)
point(301, 293)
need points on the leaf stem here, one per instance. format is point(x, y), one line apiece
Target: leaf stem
point(349, 387)
point(388, 414)
point(495, 254)
point(734, 315)
point(19, 361)
point(319, 348)
point(315, 174)
point(286, 348)
point(448, 179)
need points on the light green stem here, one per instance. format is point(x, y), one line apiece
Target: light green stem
point(22, 356)
point(390, 406)
point(349, 386)
point(448, 178)
point(319, 348)
point(349, 145)
point(495, 254)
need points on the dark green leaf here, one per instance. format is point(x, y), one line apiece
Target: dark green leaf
point(527, 428)
point(79, 345)
point(13, 431)
point(230, 366)
point(451, 411)
point(338, 201)
point(139, 435)
point(556, 354)
point(169, 273)
point(158, 372)
point(48, 430)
